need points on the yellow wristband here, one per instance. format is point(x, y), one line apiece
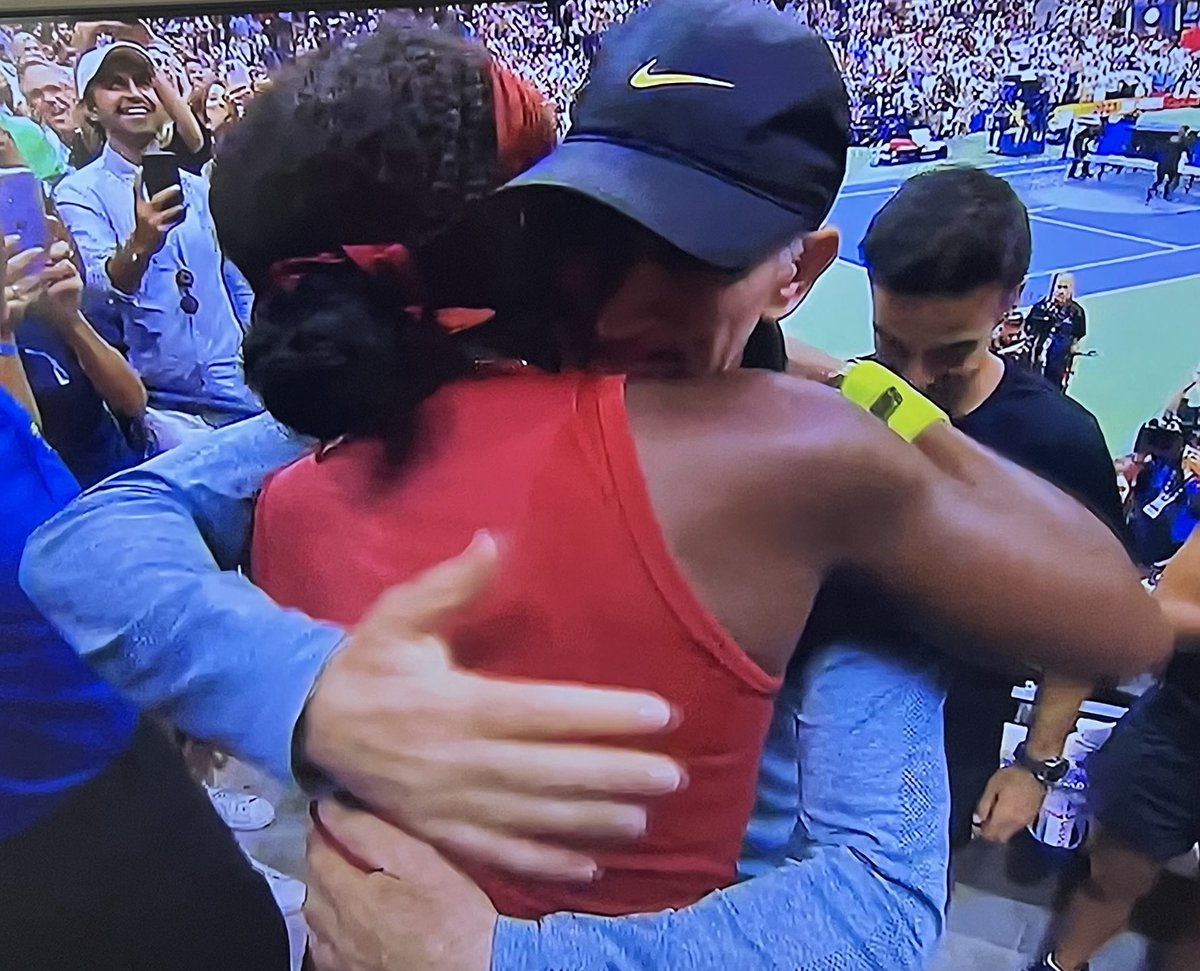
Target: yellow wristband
point(889, 398)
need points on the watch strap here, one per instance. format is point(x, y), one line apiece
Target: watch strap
point(1043, 771)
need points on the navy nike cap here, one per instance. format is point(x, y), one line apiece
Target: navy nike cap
point(720, 125)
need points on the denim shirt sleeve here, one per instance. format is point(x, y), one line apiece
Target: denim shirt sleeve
point(864, 885)
point(240, 293)
point(93, 233)
point(140, 576)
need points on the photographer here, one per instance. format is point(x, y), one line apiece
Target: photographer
point(182, 306)
point(1057, 324)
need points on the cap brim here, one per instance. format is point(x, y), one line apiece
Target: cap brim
point(717, 222)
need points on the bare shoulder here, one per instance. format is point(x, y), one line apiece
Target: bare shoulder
point(806, 448)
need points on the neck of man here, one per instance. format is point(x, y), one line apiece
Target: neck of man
point(987, 380)
point(130, 148)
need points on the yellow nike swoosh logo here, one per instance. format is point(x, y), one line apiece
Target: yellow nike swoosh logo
point(645, 78)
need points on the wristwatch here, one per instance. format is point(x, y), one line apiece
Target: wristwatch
point(1048, 773)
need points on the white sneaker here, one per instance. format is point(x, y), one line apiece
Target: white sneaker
point(288, 892)
point(241, 811)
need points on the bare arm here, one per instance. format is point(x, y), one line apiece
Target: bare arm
point(1178, 593)
point(12, 372)
point(14, 381)
point(181, 113)
point(112, 377)
point(1013, 795)
point(114, 380)
point(961, 535)
point(1055, 715)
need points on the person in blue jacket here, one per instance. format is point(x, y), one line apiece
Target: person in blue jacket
point(110, 856)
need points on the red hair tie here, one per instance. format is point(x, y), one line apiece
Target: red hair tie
point(391, 263)
point(526, 124)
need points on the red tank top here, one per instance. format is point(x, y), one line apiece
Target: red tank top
point(587, 593)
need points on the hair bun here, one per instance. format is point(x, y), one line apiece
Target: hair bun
point(335, 355)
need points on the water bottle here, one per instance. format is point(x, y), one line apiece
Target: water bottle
point(1062, 822)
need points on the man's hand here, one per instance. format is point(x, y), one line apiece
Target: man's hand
point(63, 287)
point(155, 217)
point(805, 361)
point(488, 770)
point(1010, 802)
point(416, 911)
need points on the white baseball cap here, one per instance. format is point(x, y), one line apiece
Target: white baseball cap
point(90, 62)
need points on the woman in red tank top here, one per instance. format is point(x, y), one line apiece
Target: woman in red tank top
point(353, 342)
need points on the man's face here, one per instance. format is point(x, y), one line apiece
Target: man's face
point(10, 156)
point(50, 91)
point(939, 345)
point(123, 100)
point(668, 323)
point(672, 321)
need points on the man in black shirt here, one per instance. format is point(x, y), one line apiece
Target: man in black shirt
point(947, 258)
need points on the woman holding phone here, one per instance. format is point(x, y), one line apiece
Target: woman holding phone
point(82, 385)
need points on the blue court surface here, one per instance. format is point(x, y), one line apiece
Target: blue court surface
point(1137, 271)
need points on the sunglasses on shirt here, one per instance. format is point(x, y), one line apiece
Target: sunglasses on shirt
point(188, 303)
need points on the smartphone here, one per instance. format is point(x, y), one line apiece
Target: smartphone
point(160, 171)
point(23, 209)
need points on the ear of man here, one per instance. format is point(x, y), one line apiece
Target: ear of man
point(801, 265)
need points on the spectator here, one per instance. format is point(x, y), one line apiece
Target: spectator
point(79, 381)
point(947, 256)
point(109, 855)
point(183, 307)
point(49, 91)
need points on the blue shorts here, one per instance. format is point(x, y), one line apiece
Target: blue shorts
point(1144, 784)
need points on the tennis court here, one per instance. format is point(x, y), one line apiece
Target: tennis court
point(1137, 269)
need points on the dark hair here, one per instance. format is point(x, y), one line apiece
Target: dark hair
point(948, 232)
point(384, 141)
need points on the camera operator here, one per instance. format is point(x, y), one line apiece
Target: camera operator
point(1057, 324)
point(1010, 339)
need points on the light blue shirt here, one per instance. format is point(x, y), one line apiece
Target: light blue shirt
point(849, 841)
point(189, 362)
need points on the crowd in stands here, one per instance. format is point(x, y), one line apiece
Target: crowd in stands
point(937, 63)
point(943, 62)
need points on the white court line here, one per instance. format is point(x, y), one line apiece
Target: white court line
point(851, 193)
point(1115, 260)
point(1165, 247)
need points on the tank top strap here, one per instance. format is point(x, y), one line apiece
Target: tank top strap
point(611, 441)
